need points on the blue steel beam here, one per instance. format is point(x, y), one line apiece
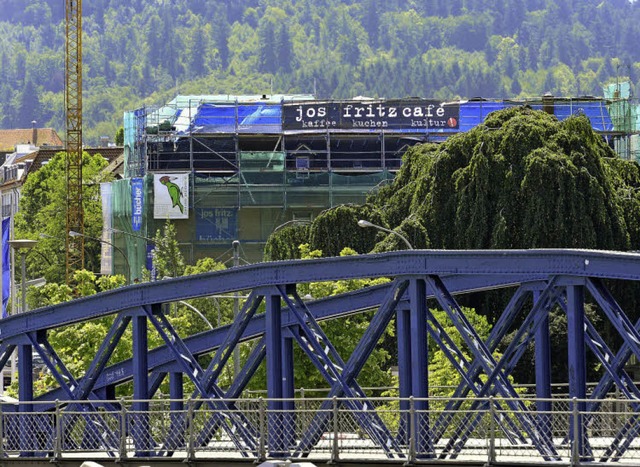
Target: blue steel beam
point(66, 380)
point(498, 331)
point(238, 385)
point(139, 422)
point(630, 335)
point(354, 365)
point(631, 338)
point(492, 368)
point(6, 350)
point(460, 363)
point(511, 356)
point(162, 359)
point(243, 439)
point(325, 357)
point(577, 367)
point(612, 265)
point(273, 340)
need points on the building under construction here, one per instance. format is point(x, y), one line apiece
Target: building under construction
point(226, 168)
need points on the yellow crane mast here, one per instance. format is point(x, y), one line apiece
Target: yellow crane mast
point(73, 108)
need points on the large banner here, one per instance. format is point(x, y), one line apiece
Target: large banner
point(137, 203)
point(106, 258)
point(216, 224)
point(398, 115)
point(171, 196)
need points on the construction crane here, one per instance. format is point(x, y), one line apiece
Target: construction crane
point(73, 109)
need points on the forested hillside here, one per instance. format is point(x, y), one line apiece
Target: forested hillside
point(138, 52)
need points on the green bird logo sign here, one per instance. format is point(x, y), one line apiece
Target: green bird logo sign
point(171, 196)
point(174, 192)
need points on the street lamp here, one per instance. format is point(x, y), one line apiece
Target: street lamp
point(23, 246)
point(142, 237)
point(73, 233)
point(366, 224)
point(148, 240)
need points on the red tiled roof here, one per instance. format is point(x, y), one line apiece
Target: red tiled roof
point(44, 137)
point(43, 155)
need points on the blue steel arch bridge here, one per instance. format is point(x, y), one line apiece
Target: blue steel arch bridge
point(83, 415)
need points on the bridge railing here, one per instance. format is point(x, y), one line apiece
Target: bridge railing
point(483, 429)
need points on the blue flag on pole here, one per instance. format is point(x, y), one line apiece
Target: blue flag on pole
point(6, 274)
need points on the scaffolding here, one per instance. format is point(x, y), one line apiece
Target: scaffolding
point(256, 162)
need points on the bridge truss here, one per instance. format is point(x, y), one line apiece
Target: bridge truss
point(276, 318)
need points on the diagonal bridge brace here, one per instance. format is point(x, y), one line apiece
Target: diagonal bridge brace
point(493, 369)
point(615, 368)
point(240, 382)
point(344, 382)
point(96, 428)
point(460, 363)
point(5, 353)
point(215, 367)
point(471, 372)
point(325, 357)
point(625, 383)
point(237, 428)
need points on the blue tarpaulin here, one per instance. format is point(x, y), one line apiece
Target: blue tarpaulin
point(596, 111)
point(245, 118)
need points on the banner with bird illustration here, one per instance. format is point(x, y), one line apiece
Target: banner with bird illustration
point(171, 196)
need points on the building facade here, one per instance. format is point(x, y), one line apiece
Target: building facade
point(225, 168)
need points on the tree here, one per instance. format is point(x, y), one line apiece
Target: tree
point(29, 105)
point(168, 260)
point(42, 214)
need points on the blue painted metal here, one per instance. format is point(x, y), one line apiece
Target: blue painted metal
point(161, 359)
point(471, 382)
point(5, 353)
point(354, 365)
point(288, 395)
point(577, 371)
point(240, 382)
point(419, 368)
point(232, 338)
point(97, 433)
point(273, 341)
point(543, 376)
point(25, 394)
point(139, 424)
point(630, 336)
point(612, 265)
point(444, 272)
point(238, 430)
point(403, 331)
point(494, 369)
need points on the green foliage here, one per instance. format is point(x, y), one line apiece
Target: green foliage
point(167, 257)
point(337, 228)
point(521, 180)
point(42, 215)
point(283, 243)
point(141, 52)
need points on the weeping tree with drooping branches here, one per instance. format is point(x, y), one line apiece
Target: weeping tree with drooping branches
point(520, 180)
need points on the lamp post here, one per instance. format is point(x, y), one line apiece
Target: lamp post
point(148, 240)
point(73, 233)
point(366, 224)
point(23, 246)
